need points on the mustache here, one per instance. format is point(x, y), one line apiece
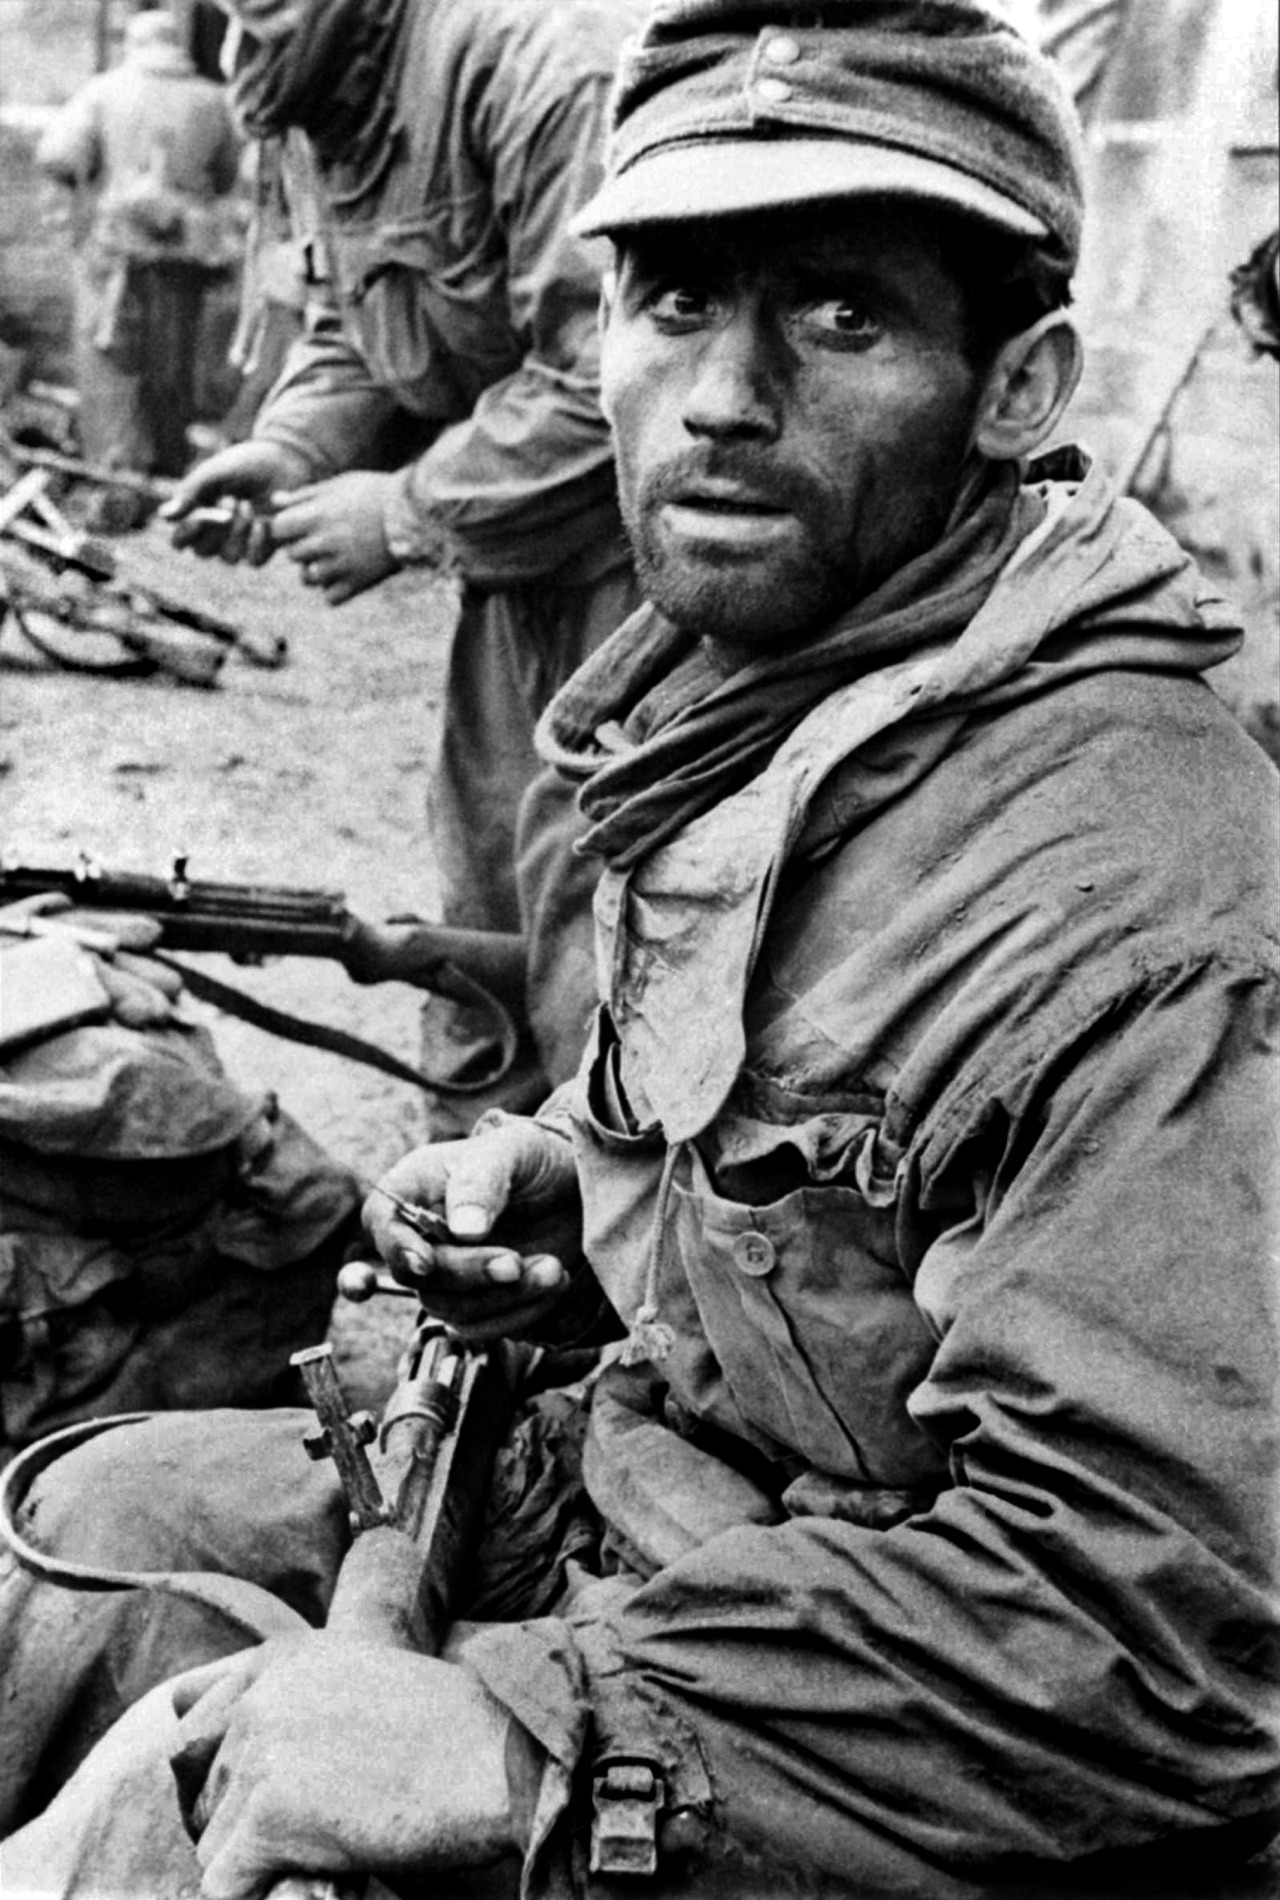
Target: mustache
point(757, 474)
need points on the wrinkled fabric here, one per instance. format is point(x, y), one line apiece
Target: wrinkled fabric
point(973, 1250)
point(968, 1273)
point(454, 296)
point(165, 1238)
point(647, 770)
point(1095, 584)
point(452, 336)
point(232, 1494)
point(503, 841)
point(187, 1282)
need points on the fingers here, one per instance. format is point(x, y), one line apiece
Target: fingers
point(135, 1000)
point(425, 1266)
point(197, 488)
point(261, 544)
point(300, 525)
point(297, 513)
point(204, 1701)
point(339, 591)
point(226, 531)
point(235, 542)
point(478, 1186)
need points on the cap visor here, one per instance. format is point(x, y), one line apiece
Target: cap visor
point(714, 178)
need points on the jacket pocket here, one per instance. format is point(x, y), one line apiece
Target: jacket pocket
point(807, 1311)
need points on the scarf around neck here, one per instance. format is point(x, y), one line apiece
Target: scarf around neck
point(328, 68)
point(638, 791)
point(698, 818)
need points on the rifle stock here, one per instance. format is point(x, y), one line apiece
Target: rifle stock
point(440, 1434)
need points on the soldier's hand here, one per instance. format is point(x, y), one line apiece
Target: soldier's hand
point(335, 532)
point(222, 507)
point(336, 1756)
point(510, 1198)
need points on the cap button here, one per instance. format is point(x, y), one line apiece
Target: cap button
point(755, 1254)
point(782, 50)
point(774, 90)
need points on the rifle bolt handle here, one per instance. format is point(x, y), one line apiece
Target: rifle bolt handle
point(359, 1280)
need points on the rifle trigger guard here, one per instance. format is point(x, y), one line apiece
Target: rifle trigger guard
point(626, 1799)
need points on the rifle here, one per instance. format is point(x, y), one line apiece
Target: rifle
point(191, 647)
point(152, 488)
point(249, 922)
point(417, 1514)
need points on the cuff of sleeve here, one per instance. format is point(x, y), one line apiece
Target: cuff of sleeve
point(553, 1115)
point(535, 1671)
point(414, 537)
point(567, 1684)
point(557, 1112)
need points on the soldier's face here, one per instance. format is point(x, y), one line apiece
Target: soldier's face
point(792, 409)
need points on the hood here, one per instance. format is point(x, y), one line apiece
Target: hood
point(1096, 583)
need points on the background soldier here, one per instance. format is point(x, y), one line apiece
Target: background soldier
point(152, 153)
point(442, 409)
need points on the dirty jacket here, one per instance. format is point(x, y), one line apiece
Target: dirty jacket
point(454, 300)
point(152, 148)
point(947, 1449)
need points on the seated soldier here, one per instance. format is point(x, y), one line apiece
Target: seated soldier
point(917, 1162)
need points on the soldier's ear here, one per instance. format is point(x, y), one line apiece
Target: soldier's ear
point(608, 291)
point(1028, 386)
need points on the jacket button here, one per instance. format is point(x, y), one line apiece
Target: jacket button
point(782, 49)
point(773, 91)
point(755, 1254)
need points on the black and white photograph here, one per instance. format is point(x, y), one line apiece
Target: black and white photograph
point(639, 950)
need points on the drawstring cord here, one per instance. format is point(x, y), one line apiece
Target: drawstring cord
point(650, 1338)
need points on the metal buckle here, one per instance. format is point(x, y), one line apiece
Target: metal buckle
point(626, 1799)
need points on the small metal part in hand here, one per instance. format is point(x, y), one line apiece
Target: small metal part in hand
point(424, 1223)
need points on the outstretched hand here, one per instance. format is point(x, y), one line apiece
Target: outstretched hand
point(246, 473)
point(510, 1198)
point(323, 1754)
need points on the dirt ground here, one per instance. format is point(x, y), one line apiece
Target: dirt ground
point(311, 775)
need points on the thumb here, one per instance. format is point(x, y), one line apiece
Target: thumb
point(481, 1178)
point(184, 497)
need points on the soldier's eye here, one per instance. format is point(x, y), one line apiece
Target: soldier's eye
point(680, 304)
point(845, 319)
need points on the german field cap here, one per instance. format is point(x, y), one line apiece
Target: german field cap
point(729, 106)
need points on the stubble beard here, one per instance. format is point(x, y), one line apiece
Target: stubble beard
point(729, 605)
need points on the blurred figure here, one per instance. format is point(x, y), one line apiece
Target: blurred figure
point(151, 151)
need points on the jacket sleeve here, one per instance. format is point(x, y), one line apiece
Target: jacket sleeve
point(1074, 1649)
point(523, 484)
point(327, 404)
point(526, 483)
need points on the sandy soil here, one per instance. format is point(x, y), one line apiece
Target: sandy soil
point(312, 775)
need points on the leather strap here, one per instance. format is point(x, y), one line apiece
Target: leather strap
point(246, 1605)
point(341, 1042)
